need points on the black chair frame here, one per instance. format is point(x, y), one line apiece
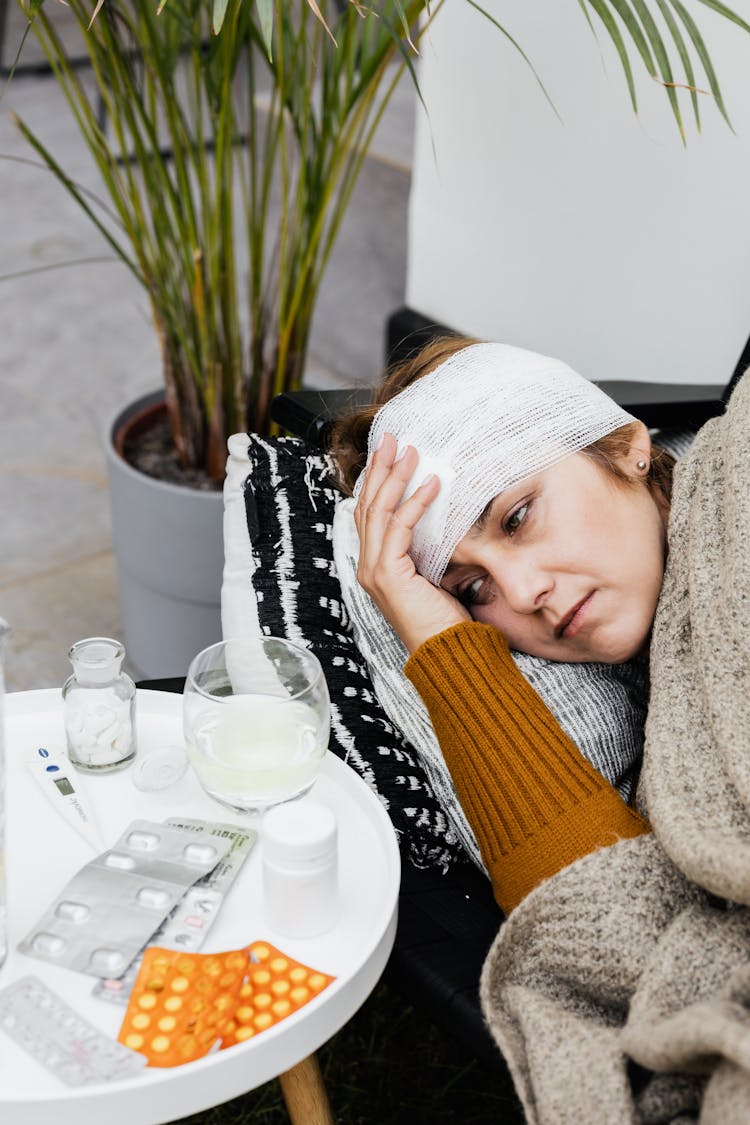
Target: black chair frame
point(310, 414)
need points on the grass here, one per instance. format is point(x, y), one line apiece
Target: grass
point(388, 1066)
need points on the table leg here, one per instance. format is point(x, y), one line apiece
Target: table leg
point(305, 1094)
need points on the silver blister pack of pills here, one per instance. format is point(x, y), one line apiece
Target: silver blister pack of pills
point(112, 906)
point(187, 926)
point(64, 1042)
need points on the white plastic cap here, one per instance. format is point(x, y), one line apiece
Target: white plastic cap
point(299, 832)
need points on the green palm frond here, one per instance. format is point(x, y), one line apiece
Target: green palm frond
point(236, 130)
point(670, 56)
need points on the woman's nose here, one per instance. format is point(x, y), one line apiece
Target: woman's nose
point(525, 586)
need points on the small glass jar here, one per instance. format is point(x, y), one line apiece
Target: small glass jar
point(99, 706)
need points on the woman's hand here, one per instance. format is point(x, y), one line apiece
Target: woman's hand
point(414, 607)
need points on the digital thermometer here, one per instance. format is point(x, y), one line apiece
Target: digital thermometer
point(55, 777)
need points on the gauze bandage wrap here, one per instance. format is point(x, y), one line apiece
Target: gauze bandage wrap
point(482, 421)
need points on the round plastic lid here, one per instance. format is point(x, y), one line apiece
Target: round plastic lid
point(159, 768)
point(300, 831)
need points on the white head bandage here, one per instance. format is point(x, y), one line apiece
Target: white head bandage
point(482, 421)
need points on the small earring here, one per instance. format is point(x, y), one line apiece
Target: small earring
point(641, 465)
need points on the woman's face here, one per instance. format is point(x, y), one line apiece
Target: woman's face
point(568, 564)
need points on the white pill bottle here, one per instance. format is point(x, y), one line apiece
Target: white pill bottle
point(300, 868)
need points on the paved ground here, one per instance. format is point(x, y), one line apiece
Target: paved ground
point(76, 344)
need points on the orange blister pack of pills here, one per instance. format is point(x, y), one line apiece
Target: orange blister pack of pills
point(275, 986)
point(184, 1004)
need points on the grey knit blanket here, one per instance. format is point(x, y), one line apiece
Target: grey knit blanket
point(619, 990)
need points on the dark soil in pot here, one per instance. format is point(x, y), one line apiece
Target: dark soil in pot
point(145, 442)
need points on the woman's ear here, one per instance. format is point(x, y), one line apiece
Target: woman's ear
point(638, 456)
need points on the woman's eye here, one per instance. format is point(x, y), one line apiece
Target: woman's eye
point(515, 519)
point(470, 594)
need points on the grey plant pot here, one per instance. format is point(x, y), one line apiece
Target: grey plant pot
point(170, 555)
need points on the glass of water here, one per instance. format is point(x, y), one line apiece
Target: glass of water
point(256, 719)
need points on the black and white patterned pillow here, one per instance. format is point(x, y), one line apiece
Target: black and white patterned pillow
point(289, 507)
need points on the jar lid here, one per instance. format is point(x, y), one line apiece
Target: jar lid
point(298, 831)
point(159, 768)
point(96, 659)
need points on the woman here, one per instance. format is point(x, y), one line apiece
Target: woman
point(505, 499)
point(508, 502)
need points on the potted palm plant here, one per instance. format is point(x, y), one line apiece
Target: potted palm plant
point(227, 161)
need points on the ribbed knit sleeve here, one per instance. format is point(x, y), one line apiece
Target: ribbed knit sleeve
point(534, 802)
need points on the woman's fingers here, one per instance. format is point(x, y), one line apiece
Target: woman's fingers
point(387, 489)
point(396, 532)
point(387, 527)
point(407, 515)
point(385, 522)
point(376, 472)
point(385, 481)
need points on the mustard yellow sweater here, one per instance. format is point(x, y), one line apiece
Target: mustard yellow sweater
point(534, 802)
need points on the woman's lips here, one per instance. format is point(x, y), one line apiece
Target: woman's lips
point(574, 619)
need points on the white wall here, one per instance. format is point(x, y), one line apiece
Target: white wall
point(601, 240)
